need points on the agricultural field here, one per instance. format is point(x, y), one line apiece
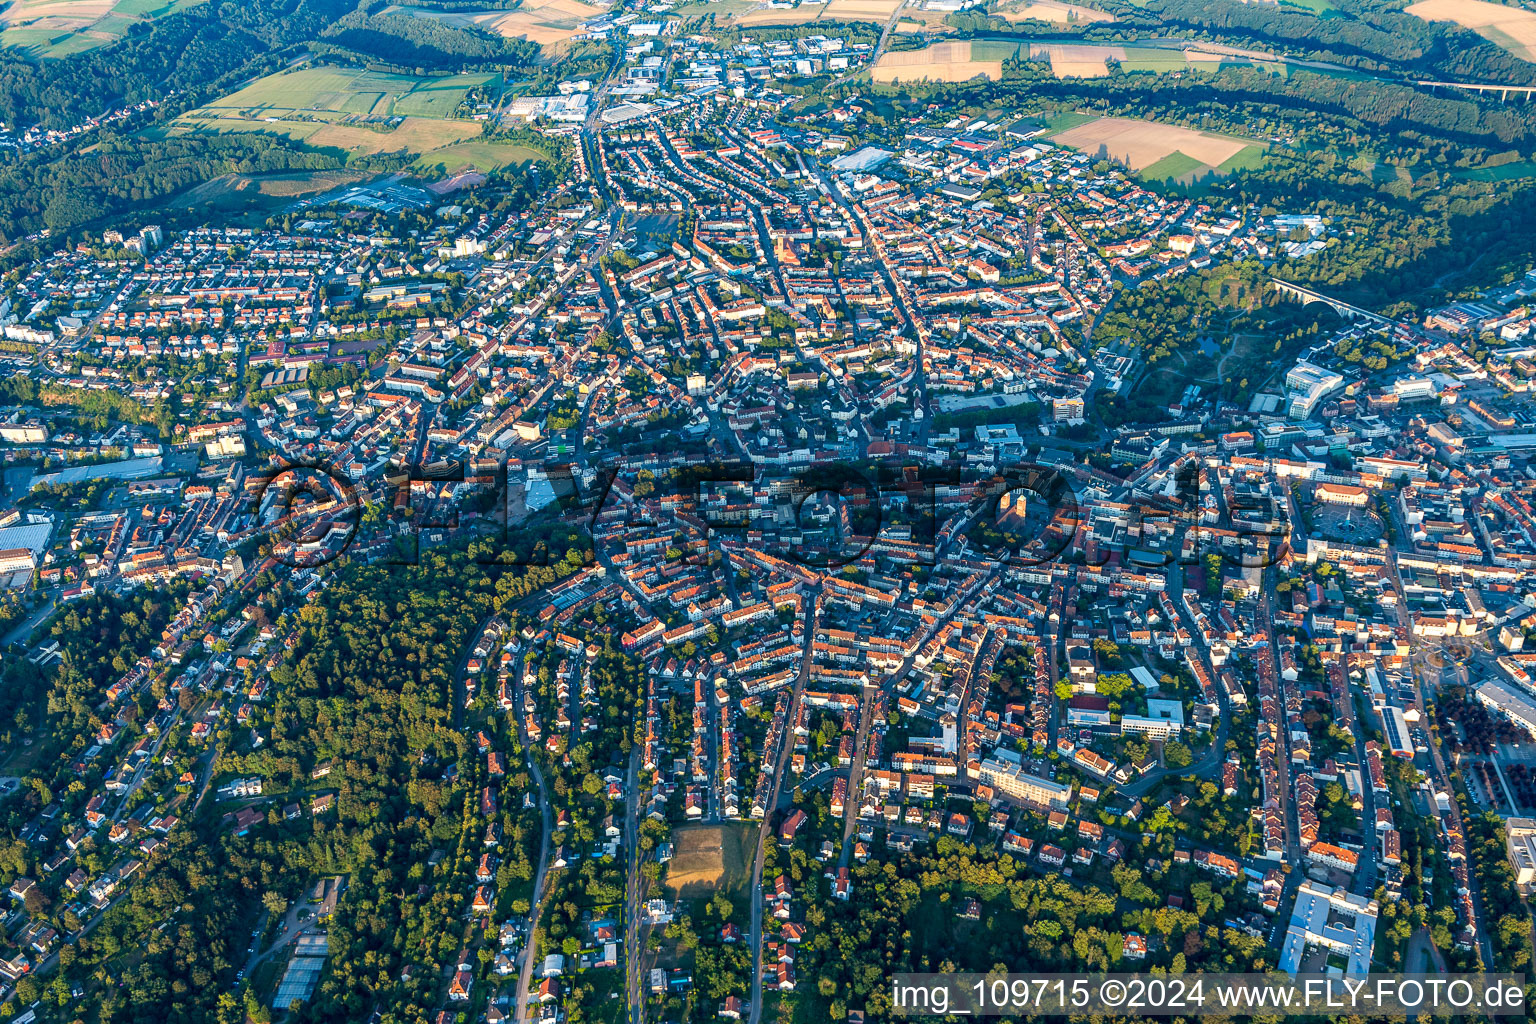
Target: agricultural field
point(1516, 171)
point(1163, 151)
point(1513, 28)
point(338, 94)
point(363, 113)
point(481, 154)
point(860, 10)
point(950, 61)
point(1069, 60)
point(1090, 60)
point(546, 22)
point(1049, 10)
point(58, 28)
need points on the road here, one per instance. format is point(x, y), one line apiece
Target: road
point(765, 834)
point(889, 684)
point(143, 768)
point(634, 891)
point(1447, 784)
point(461, 673)
point(22, 634)
point(525, 976)
point(885, 36)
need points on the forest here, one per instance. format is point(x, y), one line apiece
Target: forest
point(425, 43)
point(1372, 37)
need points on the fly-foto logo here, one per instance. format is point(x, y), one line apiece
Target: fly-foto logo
point(824, 515)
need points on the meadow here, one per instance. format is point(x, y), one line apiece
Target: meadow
point(363, 113)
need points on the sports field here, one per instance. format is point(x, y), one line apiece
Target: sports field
point(1513, 28)
point(1160, 150)
point(950, 61)
point(546, 22)
point(58, 28)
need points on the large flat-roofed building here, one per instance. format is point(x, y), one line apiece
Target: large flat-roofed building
point(1520, 844)
point(1510, 703)
point(1331, 922)
point(128, 469)
point(16, 560)
point(22, 549)
point(1395, 726)
point(1164, 719)
point(1306, 386)
point(303, 972)
point(1013, 781)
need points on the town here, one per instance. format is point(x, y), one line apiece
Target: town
point(807, 551)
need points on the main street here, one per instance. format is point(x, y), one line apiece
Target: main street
point(547, 818)
point(765, 833)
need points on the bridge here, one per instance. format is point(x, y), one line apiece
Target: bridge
point(1502, 90)
point(1307, 296)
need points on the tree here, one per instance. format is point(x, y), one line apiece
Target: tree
point(1177, 755)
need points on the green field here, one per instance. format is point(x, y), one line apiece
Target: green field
point(1173, 167)
point(1321, 8)
point(340, 94)
point(1065, 121)
point(481, 154)
point(996, 49)
point(1503, 172)
point(359, 112)
point(1243, 160)
point(1185, 169)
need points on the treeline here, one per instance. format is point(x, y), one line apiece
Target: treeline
point(423, 42)
point(1395, 108)
point(1373, 39)
point(196, 51)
